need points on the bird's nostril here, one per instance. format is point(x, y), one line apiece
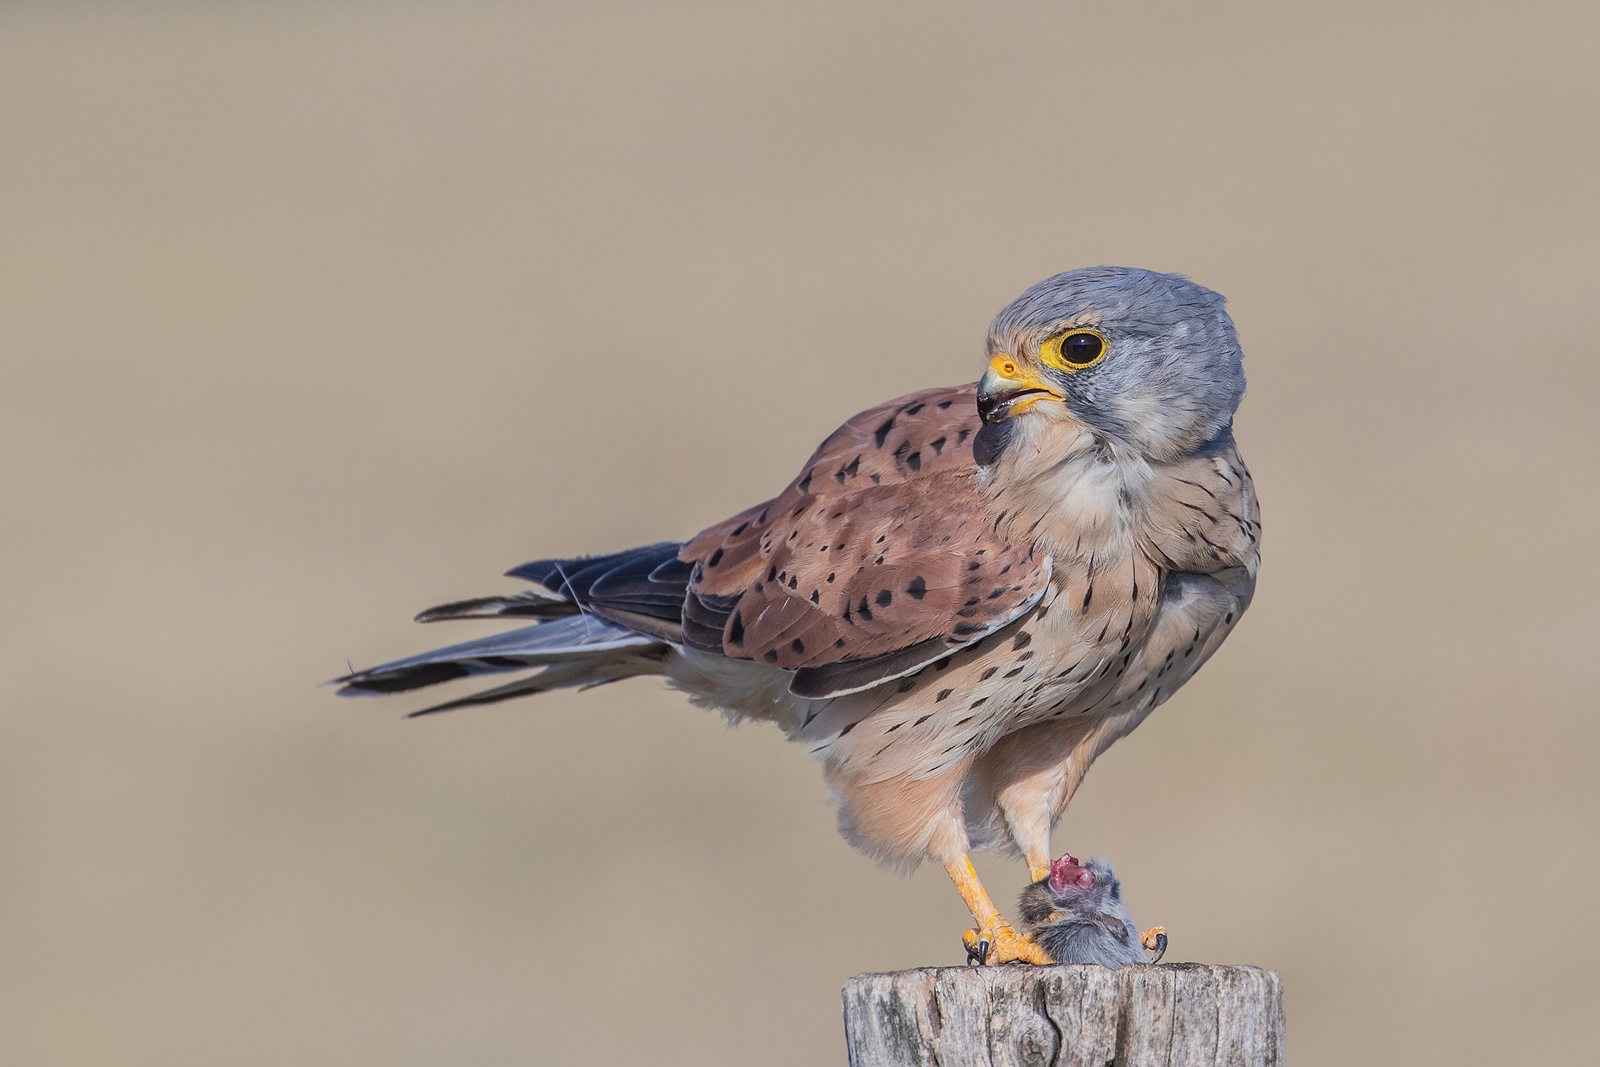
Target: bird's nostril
point(1004, 366)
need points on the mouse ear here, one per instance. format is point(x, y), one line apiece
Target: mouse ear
point(1116, 926)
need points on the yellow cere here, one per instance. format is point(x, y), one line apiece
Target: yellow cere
point(1051, 351)
point(1004, 366)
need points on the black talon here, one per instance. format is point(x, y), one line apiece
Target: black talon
point(978, 955)
point(1161, 948)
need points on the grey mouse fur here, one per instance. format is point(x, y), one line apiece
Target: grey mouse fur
point(1077, 915)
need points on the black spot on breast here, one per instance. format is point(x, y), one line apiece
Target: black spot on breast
point(716, 558)
point(937, 444)
point(882, 433)
point(942, 694)
point(805, 483)
point(1023, 640)
point(847, 729)
point(736, 629)
point(943, 404)
point(907, 685)
point(816, 596)
point(922, 720)
point(914, 408)
point(770, 656)
point(1014, 671)
point(961, 437)
point(884, 597)
point(914, 461)
point(990, 673)
point(797, 645)
point(863, 610)
point(917, 589)
point(831, 577)
point(793, 581)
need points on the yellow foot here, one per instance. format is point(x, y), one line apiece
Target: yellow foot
point(1154, 941)
point(1001, 944)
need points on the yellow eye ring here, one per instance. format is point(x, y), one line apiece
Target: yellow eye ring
point(1075, 350)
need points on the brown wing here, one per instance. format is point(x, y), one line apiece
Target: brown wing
point(881, 556)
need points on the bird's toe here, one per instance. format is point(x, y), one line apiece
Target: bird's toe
point(1002, 944)
point(1154, 941)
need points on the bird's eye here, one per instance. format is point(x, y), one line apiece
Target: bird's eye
point(1074, 351)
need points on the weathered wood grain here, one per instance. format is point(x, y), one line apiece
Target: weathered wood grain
point(1177, 1015)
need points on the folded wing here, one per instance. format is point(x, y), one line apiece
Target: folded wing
point(881, 557)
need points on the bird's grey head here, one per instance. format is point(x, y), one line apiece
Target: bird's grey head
point(1148, 360)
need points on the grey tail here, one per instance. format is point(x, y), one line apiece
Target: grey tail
point(602, 618)
point(578, 650)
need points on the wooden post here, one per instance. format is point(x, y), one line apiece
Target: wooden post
point(1144, 1016)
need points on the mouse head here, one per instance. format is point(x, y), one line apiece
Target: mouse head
point(1083, 888)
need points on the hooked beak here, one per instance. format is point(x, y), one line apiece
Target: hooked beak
point(1008, 389)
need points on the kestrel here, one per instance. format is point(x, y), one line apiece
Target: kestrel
point(965, 596)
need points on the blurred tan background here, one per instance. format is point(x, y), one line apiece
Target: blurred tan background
point(315, 315)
